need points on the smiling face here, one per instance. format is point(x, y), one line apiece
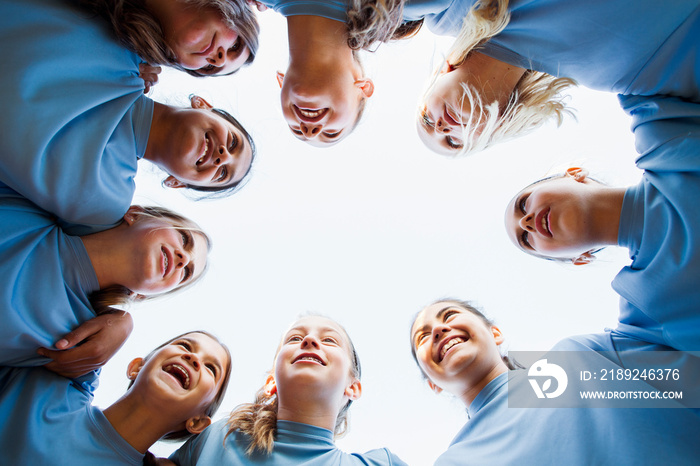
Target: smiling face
point(201, 39)
point(314, 362)
point(322, 109)
point(156, 257)
point(454, 347)
point(183, 376)
point(553, 218)
point(203, 149)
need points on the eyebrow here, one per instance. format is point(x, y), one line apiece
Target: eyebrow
point(438, 316)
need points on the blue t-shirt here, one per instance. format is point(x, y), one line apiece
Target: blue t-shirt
point(46, 279)
point(295, 444)
point(659, 224)
point(76, 120)
point(48, 419)
point(498, 435)
point(599, 43)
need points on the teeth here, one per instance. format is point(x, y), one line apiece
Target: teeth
point(545, 225)
point(165, 262)
point(309, 358)
point(450, 344)
point(310, 113)
point(204, 152)
point(180, 373)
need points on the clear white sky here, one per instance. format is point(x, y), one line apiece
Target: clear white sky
point(370, 231)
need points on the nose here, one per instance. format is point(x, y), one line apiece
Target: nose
point(526, 222)
point(310, 341)
point(310, 130)
point(441, 126)
point(439, 330)
point(222, 157)
point(192, 359)
point(182, 259)
point(218, 57)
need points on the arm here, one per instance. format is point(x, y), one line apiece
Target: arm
point(89, 346)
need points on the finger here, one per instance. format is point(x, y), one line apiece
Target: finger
point(70, 339)
point(66, 357)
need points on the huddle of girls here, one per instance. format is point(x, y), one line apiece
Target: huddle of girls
point(81, 122)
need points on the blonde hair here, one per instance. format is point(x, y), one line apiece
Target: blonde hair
point(537, 97)
point(371, 21)
point(258, 420)
point(105, 299)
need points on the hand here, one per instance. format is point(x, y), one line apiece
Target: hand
point(89, 346)
point(149, 74)
point(256, 4)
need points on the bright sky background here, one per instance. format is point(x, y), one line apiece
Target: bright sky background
point(370, 231)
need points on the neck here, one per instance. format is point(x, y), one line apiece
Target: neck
point(474, 388)
point(313, 411)
point(316, 43)
point(608, 206)
point(139, 423)
point(495, 80)
point(158, 133)
point(103, 256)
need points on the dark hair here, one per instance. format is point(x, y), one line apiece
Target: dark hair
point(258, 420)
point(510, 363)
point(140, 31)
point(184, 434)
point(219, 192)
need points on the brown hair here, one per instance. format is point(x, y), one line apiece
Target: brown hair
point(371, 21)
point(105, 299)
point(258, 420)
point(136, 27)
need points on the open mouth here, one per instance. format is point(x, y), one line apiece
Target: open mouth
point(542, 223)
point(166, 260)
point(309, 357)
point(204, 154)
point(179, 373)
point(310, 115)
point(448, 344)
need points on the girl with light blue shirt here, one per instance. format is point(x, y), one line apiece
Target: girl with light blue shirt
point(174, 391)
point(80, 122)
point(54, 282)
point(623, 47)
point(458, 350)
point(298, 412)
point(569, 217)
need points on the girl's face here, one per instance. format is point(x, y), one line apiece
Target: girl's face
point(157, 257)
point(184, 376)
point(440, 120)
point(553, 218)
point(322, 110)
point(454, 346)
point(201, 39)
point(314, 360)
point(204, 150)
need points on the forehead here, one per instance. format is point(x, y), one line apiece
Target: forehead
point(316, 324)
point(433, 313)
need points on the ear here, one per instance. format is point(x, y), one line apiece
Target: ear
point(583, 259)
point(354, 390)
point(270, 385)
point(132, 213)
point(497, 335)
point(133, 368)
point(198, 102)
point(434, 387)
point(172, 182)
point(577, 173)
point(366, 86)
point(195, 425)
point(280, 78)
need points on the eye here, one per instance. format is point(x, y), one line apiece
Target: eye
point(212, 368)
point(184, 344)
point(234, 142)
point(186, 273)
point(294, 338)
point(420, 338)
point(332, 135)
point(449, 314)
point(521, 204)
point(236, 45)
point(524, 239)
point(330, 340)
point(207, 69)
point(452, 144)
point(426, 119)
point(185, 238)
point(222, 175)
point(296, 131)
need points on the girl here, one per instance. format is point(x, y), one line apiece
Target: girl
point(654, 53)
point(300, 409)
point(324, 90)
point(457, 350)
point(174, 391)
point(80, 120)
point(53, 282)
point(201, 37)
point(571, 216)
